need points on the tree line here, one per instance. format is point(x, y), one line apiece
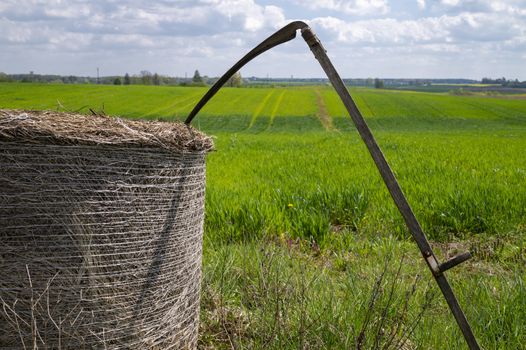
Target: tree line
point(505, 82)
point(143, 78)
point(147, 78)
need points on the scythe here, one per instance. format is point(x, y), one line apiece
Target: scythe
point(288, 33)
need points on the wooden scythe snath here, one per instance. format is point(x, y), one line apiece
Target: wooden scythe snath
point(288, 33)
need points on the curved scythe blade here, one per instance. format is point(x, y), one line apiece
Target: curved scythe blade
point(283, 35)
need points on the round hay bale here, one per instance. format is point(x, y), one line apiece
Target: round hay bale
point(101, 223)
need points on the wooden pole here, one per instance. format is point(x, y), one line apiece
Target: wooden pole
point(392, 185)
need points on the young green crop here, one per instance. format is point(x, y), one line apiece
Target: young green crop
point(458, 158)
point(279, 180)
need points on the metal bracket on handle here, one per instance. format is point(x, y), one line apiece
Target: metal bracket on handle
point(438, 269)
point(288, 33)
point(454, 261)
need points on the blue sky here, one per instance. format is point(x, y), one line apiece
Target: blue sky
point(365, 38)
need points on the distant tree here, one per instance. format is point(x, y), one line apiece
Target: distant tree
point(117, 81)
point(369, 81)
point(126, 79)
point(146, 77)
point(197, 77)
point(4, 77)
point(378, 83)
point(156, 79)
point(235, 80)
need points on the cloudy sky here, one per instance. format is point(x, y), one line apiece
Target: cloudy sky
point(365, 38)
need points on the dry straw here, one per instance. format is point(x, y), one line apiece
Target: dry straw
point(101, 227)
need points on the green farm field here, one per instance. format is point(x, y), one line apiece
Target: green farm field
point(303, 246)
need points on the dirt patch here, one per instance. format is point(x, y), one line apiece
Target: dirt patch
point(323, 114)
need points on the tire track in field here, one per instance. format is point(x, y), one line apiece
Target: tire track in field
point(323, 114)
point(187, 102)
point(364, 104)
point(275, 109)
point(373, 118)
point(495, 110)
point(259, 108)
point(174, 104)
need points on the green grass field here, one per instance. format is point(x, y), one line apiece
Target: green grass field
point(299, 224)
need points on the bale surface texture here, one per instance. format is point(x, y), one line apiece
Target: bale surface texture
point(101, 223)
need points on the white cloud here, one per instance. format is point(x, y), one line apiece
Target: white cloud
point(68, 11)
point(174, 36)
point(513, 7)
point(253, 16)
point(70, 41)
point(444, 29)
point(440, 48)
point(127, 40)
point(381, 31)
point(510, 8)
point(450, 2)
point(352, 7)
point(12, 32)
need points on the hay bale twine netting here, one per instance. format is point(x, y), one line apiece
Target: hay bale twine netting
point(101, 224)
